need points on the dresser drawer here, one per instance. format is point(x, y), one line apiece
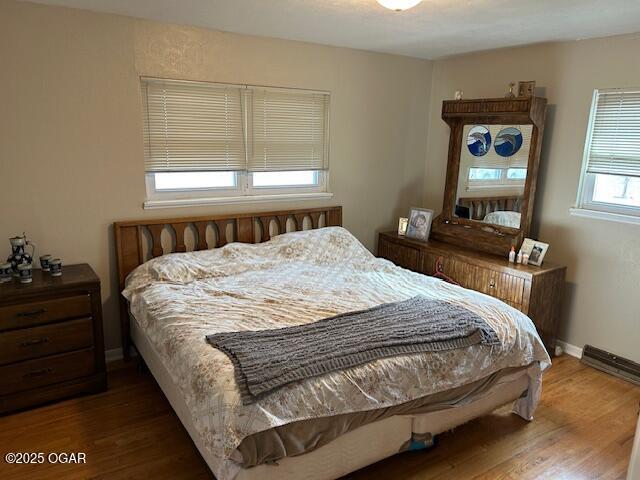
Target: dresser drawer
point(45, 311)
point(402, 255)
point(535, 291)
point(462, 273)
point(500, 285)
point(26, 343)
point(46, 371)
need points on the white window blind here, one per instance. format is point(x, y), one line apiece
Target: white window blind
point(288, 130)
point(192, 126)
point(614, 143)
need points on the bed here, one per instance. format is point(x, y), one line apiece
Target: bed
point(499, 210)
point(318, 428)
point(503, 218)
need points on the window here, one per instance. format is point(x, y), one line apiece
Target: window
point(490, 170)
point(175, 181)
point(610, 181)
point(215, 143)
point(517, 174)
point(285, 179)
point(482, 177)
point(485, 174)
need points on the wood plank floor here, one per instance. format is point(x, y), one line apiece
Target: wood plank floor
point(583, 430)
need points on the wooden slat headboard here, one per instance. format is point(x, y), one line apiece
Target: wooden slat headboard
point(131, 238)
point(479, 207)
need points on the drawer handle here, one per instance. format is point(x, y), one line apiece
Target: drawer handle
point(35, 341)
point(492, 283)
point(39, 373)
point(32, 313)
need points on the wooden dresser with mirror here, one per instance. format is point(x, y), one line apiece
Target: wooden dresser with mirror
point(494, 153)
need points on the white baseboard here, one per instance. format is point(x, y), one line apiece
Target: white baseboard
point(113, 355)
point(569, 349)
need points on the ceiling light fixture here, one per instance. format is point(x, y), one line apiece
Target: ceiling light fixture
point(399, 5)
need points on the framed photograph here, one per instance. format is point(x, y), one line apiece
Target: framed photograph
point(526, 89)
point(420, 224)
point(535, 249)
point(403, 222)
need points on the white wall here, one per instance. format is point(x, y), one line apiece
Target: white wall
point(71, 158)
point(71, 131)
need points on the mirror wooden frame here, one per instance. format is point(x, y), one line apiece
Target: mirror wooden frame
point(474, 234)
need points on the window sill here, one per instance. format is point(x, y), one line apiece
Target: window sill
point(599, 215)
point(200, 202)
point(494, 186)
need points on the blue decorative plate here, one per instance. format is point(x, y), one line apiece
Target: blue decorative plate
point(508, 142)
point(479, 141)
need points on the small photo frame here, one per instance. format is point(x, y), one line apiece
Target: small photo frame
point(535, 249)
point(526, 89)
point(419, 224)
point(403, 222)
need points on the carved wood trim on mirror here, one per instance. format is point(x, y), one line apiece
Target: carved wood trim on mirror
point(467, 225)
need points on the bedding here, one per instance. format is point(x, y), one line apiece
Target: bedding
point(265, 360)
point(503, 218)
point(293, 279)
point(304, 436)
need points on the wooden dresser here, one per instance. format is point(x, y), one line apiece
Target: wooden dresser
point(51, 343)
point(535, 291)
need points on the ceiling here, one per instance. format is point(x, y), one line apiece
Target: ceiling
point(433, 29)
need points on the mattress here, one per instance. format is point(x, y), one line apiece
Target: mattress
point(296, 278)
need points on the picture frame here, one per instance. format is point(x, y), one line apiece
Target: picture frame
point(535, 249)
point(403, 223)
point(526, 89)
point(419, 226)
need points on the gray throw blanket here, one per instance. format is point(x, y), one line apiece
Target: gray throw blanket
point(266, 360)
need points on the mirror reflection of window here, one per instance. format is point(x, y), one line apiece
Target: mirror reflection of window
point(517, 174)
point(493, 172)
point(496, 177)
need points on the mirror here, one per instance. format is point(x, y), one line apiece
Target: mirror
point(492, 173)
point(492, 170)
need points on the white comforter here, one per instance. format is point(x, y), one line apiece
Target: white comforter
point(297, 278)
point(504, 218)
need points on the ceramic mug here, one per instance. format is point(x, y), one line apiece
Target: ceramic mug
point(6, 272)
point(44, 262)
point(55, 267)
point(25, 272)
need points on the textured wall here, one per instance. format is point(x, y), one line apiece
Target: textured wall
point(71, 142)
point(602, 304)
point(71, 133)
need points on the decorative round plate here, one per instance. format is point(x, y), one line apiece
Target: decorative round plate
point(479, 141)
point(508, 142)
